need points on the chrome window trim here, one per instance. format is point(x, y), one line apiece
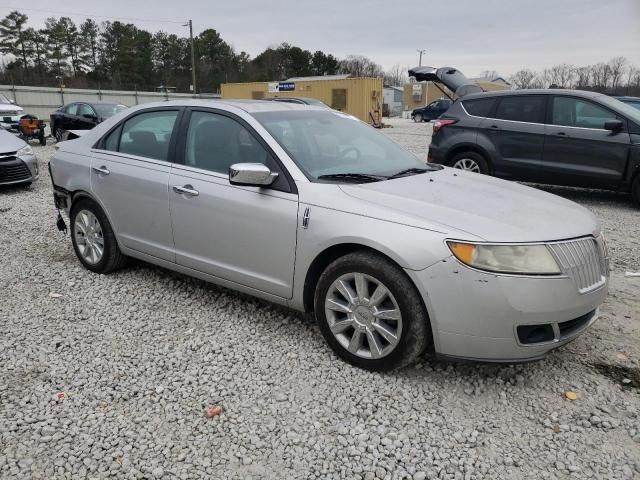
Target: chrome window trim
point(138, 158)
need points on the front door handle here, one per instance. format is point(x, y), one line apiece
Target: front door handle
point(186, 190)
point(101, 170)
point(493, 128)
point(562, 134)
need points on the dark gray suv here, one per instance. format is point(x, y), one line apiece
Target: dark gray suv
point(559, 137)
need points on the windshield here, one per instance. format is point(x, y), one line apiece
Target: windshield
point(332, 143)
point(4, 99)
point(627, 110)
point(106, 110)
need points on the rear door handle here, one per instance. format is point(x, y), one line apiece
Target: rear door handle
point(562, 134)
point(186, 190)
point(493, 128)
point(101, 170)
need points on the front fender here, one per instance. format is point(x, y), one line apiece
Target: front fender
point(410, 247)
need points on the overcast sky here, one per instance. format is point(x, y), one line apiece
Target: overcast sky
point(471, 35)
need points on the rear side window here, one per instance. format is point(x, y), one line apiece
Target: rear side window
point(148, 134)
point(522, 108)
point(479, 107)
point(71, 109)
point(573, 112)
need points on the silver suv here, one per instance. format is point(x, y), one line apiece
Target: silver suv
point(313, 209)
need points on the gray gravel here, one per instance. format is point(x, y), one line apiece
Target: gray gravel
point(114, 377)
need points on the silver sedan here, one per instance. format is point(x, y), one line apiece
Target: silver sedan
point(18, 163)
point(312, 209)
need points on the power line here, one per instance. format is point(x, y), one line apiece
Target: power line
point(91, 15)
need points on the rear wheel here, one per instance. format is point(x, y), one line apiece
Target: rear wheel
point(58, 133)
point(370, 313)
point(93, 239)
point(471, 162)
point(417, 118)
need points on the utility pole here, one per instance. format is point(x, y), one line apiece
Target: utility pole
point(421, 52)
point(193, 56)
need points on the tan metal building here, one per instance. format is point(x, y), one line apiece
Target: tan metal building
point(356, 96)
point(418, 95)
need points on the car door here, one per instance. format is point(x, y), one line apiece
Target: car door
point(578, 151)
point(86, 117)
point(130, 176)
point(68, 118)
point(516, 130)
point(245, 235)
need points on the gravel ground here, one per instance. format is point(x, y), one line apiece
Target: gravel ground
point(112, 376)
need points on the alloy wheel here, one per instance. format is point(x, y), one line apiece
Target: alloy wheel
point(363, 315)
point(467, 164)
point(89, 237)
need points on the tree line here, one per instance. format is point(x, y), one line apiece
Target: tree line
point(117, 55)
point(617, 76)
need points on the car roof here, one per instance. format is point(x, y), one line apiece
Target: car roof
point(535, 91)
point(249, 106)
point(625, 97)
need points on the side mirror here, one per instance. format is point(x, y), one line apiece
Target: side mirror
point(89, 116)
point(251, 174)
point(614, 126)
point(13, 102)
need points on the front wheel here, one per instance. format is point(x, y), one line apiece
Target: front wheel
point(93, 238)
point(58, 134)
point(417, 118)
point(471, 162)
point(370, 313)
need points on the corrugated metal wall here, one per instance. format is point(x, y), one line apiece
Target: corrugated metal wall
point(41, 101)
point(364, 95)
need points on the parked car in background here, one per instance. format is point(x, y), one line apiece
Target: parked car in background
point(560, 137)
point(313, 209)
point(18, 164)
point(633, 101)
point(81, 116)
point(299, 101)
point(10, 113)
point(431, 111)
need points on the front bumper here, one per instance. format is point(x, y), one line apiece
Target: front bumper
point(17, 170)
point(10, 121)
point(489, 317)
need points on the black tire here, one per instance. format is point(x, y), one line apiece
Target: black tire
point(112, 259)
point(415, 335)
point(635, 191)
point(417, 118)
point(480, 161)
point(58, 134)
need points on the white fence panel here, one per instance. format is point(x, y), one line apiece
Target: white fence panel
point(42, 101)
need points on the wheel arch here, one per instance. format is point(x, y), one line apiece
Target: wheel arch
point(329, 254)
point(78, 195)
point(469, 147)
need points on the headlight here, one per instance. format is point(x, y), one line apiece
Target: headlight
point(26, 150)
point(523, 259)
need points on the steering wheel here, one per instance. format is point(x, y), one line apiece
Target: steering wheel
point(347, 150)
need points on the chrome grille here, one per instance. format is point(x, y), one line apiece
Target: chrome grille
point(583, 260)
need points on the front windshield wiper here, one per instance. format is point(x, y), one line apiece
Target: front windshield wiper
point(410, 171)
point(356, 177)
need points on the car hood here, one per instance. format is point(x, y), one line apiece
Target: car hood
point(9, 142)
point(462, 204)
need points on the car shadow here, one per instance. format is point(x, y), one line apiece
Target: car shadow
point(585, 195)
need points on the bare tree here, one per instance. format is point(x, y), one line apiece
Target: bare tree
point(601, 74)
point(490, 74)
point(360, 66)
point(583, 77)
point(396, 76)
point(617, 67)
point(560, 76)
point(524, 78)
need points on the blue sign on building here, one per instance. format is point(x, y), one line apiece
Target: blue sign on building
point(286, 86)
